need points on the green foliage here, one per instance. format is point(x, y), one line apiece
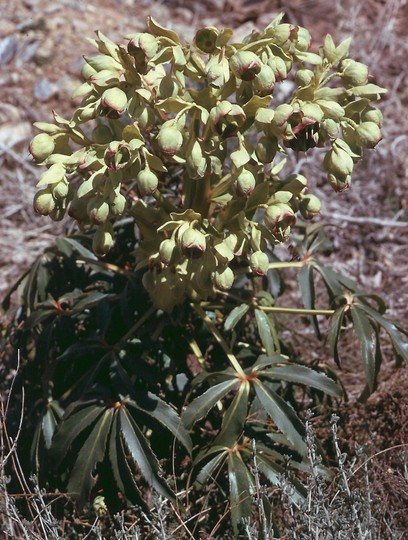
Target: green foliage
point(154, 330)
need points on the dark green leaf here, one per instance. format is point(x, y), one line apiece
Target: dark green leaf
point(89, 300)
point(267, 332)
point(91, 453)
point(366, 336)
point(381, 307)
point(121, 470)
point(67, 245)
point(202, 404)
point(275, 474)
point(333, 335)
point(142, 454)
point(241, 485)
point(235, 316)
point(330, 279)
point(297, 374)
point(50, 421)
point(234, 418)
point(306, 284)
point(159, 410)
point(282, 414)
point(73, 423)
point(392, 329)
point(206, 473)
point(263, 360)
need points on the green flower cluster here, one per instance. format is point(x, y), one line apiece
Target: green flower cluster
point(183, 137)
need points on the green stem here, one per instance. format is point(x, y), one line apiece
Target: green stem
point(296, 311)
point(163, 202)
point(293, 264)
point(219, 339)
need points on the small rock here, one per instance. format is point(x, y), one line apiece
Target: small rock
point(45, 90)
point(32, 23)
point(8, 47)
point(27, 51)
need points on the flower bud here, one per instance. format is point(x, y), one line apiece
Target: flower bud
point(329, 128)
point(339, 183)
point(266, 149)
point(279, 67)
point(244, 184)
point(193, 243)
point(368, 134)
point(98, 210)
point(145, 117)
point(218, 72)
point(102, 241)
point(41, 147)
point(304, 77)
point(60, 190)
point(102, 135)
point(169, 140)
point(279, 217)
point(205, 39)
point(338, 162)
point(117, 155)
point(373, 115)
point(259, 263)
point(302, 38)
point(117, 205)
point(354, 73)
point(223, 279)
point(264, 82)
point(280, 33)
point(167, 251)
point(143, 47)
point(245, 65)
point(310, 206)
point(147, 182)
point(282, 114)
point(113, 103)
point(44, 202)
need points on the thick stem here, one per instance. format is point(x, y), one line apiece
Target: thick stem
point(297, 311)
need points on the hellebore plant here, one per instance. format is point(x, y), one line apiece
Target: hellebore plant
point(186, 144)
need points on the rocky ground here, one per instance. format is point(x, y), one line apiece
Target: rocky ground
point(41, 48)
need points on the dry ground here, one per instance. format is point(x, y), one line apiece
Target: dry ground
point(41, 44)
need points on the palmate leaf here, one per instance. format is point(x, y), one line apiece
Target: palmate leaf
point(366, 335)
point(158, 409)
point(77, 418)
point(333, 335)
point(235, 316)
point(275, 473)
point(141, 453)
point(44, 432)
point(393, 329)
point(234, 418)
point(307, 289)
point(267, 332)
point(204, 403)
point(92, 452)
point(304, 375)
point(241, 485)
point(282, 414)
point(207, 472)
